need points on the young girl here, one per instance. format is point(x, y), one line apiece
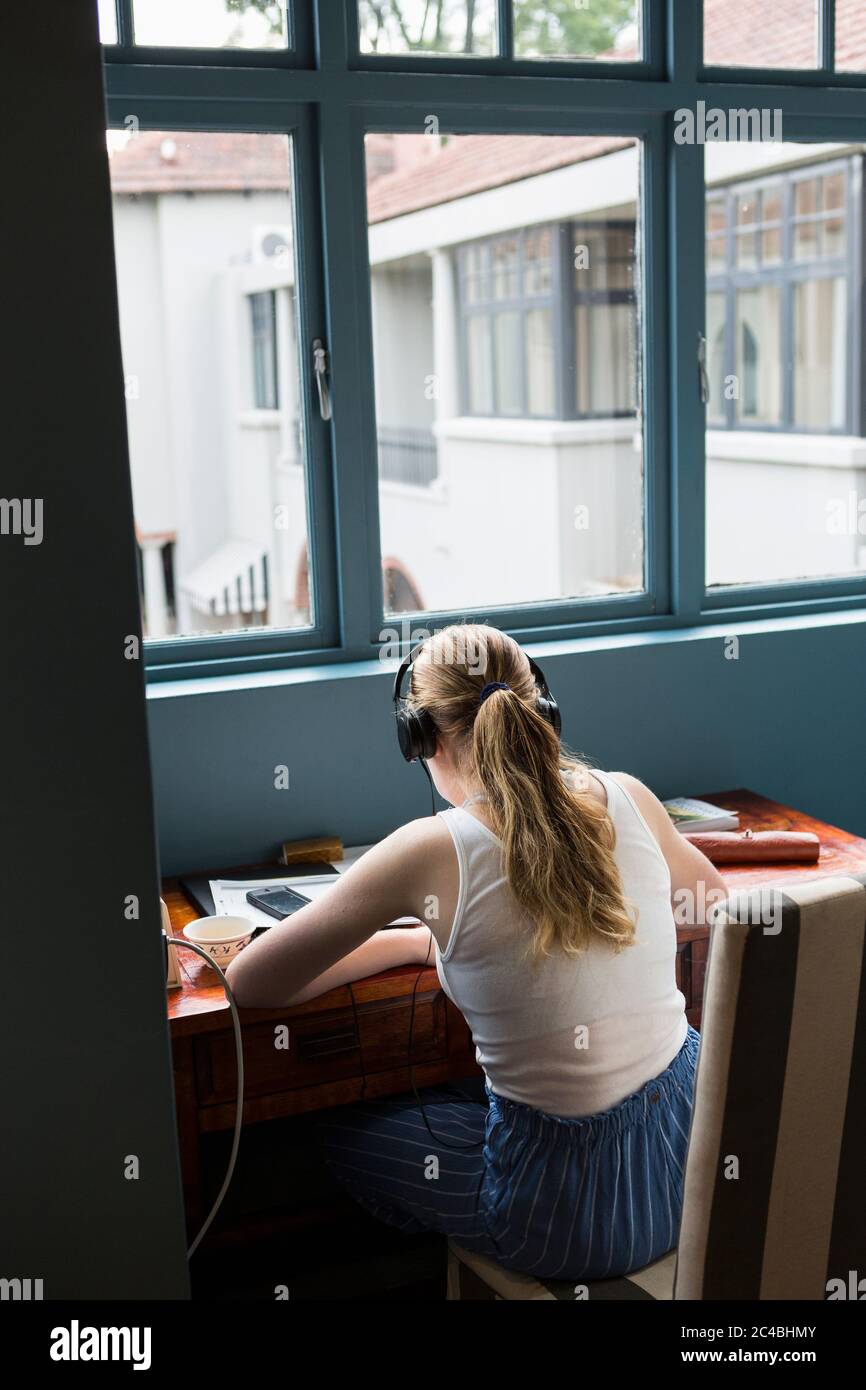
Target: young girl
point(546, 892)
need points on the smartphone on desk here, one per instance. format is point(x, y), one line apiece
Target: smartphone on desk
point(277, 902)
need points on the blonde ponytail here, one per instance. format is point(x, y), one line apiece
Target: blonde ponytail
point(558, 839)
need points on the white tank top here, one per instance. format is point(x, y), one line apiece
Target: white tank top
point(571, 1035)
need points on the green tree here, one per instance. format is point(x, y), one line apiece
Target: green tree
point(573, 27)
point(570, 27)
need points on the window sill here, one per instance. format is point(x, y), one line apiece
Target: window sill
point(805, 450)
point(541, 432)
point(259, 419)
point(548, 652)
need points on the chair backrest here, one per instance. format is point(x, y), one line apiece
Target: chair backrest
point(773, 1203)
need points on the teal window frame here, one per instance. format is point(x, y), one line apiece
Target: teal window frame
point(327, 95)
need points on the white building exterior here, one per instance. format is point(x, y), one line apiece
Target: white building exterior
point(516, 510)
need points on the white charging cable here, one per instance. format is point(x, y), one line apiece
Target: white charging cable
point(239, 1112)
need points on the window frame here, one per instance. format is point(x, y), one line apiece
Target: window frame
point(223, 653)
point(535, 621)
point(331, 97)
point(298, 52)
point(786, 276)
point(649, 67)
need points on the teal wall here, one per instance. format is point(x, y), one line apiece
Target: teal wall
point(785, 719)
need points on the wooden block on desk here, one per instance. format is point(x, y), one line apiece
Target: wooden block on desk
point(172, 973)
point(323, 850)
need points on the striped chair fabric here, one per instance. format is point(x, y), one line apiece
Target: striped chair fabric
point(773, 1203)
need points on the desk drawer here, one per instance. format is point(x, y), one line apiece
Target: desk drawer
point(321, 1048)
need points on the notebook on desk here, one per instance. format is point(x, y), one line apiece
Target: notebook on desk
point(198, 886)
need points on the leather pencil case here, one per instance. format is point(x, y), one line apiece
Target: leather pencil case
point(758, 846)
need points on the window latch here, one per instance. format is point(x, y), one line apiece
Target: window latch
point(320, 371)
point(703, 376)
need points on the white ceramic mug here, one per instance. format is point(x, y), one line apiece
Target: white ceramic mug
point(220, 937)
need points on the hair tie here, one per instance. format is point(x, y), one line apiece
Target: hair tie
point(490, 687)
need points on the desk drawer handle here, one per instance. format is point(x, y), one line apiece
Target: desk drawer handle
point(329, 1044)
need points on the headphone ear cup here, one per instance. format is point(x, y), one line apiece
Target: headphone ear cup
point(549, 710)
point(426, 733)
point(404, 734)
point(416, 733)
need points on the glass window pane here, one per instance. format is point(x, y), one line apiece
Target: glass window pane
point(833, 241)
point(606, 372)
point(537, 252)
point(508, 368)
point(540, 363)
point(771, 203)
point(210, 23)
point(771, 247)
point(504, 257)
point(850, 36)
point(604, 257)
point(833, 186)
point(263, 319)
point(738, 35)
point(473, 269)
point(457, 27)
point(717, 218)
point(715, 255)
point(781, 502)
point(807, 241)
point(820, 355)
point(716, 368)
point(565, 29)
point(747, 250)
point(204, 248)
point(564, 502)
point(107, 21)
point(806, 193)
point(757, 362)
point(480, 365)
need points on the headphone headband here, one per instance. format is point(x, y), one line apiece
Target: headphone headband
point(416, 730)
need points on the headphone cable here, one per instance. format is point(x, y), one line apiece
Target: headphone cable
point(239, 1103)
point(423, 762)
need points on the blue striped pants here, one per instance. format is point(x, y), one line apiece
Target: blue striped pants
point(588, 1198)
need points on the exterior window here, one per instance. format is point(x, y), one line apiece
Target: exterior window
point(782, 331)
point(211, 24)
point(220, 493)
point(458, 27)
point(511, 463)
point(521, 327)
point(263, 315)
point(777, 270)
point(490, 442)
point(606, 374)
point(819, 354)
point(506, 290)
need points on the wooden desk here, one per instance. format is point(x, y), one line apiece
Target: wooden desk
point(339, 1052)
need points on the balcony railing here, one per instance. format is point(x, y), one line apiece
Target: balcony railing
point(408, 455)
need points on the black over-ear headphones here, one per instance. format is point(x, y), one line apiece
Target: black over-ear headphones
point(416, 731)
